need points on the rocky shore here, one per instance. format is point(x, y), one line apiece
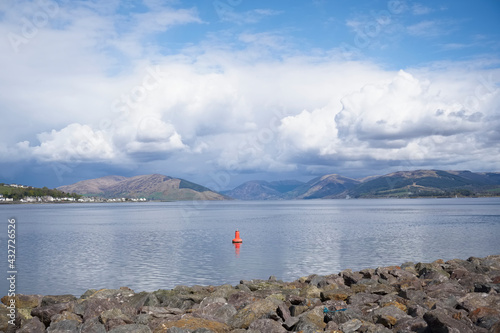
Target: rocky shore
point(452, 296)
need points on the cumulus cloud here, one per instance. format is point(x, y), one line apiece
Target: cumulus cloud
point(75, 142)
point(89, 89)
point(401, 119)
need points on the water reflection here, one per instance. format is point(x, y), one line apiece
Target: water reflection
point(237, 249)
point(71, 248)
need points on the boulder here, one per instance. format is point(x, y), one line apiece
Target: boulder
point(55, 299)
point(113, 318)
point(288, 321)
point(64, 326)
point(485, 317)
point(45, 313)
point(192, 324)
point(350, 326)
point(267, 325)
point(93, 325)
point(312, 318)
point(473, 301)
point(24, 301)
point(65, 315)
point(389, 315)
point(439, 321)
point(251, 312)
point(131, 328)
point(34, 325)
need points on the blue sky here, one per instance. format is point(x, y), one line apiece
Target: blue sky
point(220, 92)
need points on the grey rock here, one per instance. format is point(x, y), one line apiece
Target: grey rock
point(285, 315)
point(33, 325)
point(55, 299)
point(131, 328)
point(45, 313)
point(178, 330)
point(351, 325)
point(93, 325)
point(439, 321)
point(267, 325)
point(417, 324)
point(64, 326)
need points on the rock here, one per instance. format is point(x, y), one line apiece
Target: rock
point(351, 278)
point(94, 306)
point(439, 321)
point(382, 289)
point(310, 292)
point(88, 293)
point(178, 330)
point(389, 315)
point(131, 328)
point(336, 295)
point(288, 320)
point(34, 325)
point(267, 325)
point(350, 326)
point(241, 299)
point(64, 326)
point(45, 313)
point(473, 301)
point(417, 324)
point(453, 296)
point(113, 318)
point(218, 311)
point(314, 318)
point(191, 323)
point(251, 312)
point(24, 301)
point(93, 325)
point(65, 315)
point(485, 317)
point(55, 299)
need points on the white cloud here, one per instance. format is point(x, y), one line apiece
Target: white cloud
point(401, 119)
point(90, 91)
point(76, 143)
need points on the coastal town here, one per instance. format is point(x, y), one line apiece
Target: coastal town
point(56, 197)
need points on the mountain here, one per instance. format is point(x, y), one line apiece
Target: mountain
point(401, 184)
point(153, 187)
point(324, 187)
point(421, 183)
point(263, 190)
point(328, 186)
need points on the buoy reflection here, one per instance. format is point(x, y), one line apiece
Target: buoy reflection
point(237, 249)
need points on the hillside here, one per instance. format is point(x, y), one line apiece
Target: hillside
point(324, 187)
point(152, 187)
point(18, 193)
point(401, 184)
point(263, 190)
point(424, 183)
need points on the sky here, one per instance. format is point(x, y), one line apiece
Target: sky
point(221, 92)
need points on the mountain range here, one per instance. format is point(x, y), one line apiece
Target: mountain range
point(418, 183)
point(401, 184)
point(152, 187)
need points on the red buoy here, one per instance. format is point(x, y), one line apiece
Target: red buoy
point(237, 238)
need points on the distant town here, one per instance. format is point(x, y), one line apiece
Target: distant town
point(15, 193)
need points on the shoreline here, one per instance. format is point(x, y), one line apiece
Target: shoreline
point(456, 295)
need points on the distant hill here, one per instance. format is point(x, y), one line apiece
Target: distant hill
point(324, 187)
point(153, 187)
point(401, 184)
point(263, 190)
point(423, 183)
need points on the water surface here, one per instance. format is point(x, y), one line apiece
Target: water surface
point(69, 248)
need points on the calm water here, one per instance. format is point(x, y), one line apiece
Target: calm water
point(69, 248)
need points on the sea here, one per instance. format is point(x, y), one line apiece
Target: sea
point(70, 248)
